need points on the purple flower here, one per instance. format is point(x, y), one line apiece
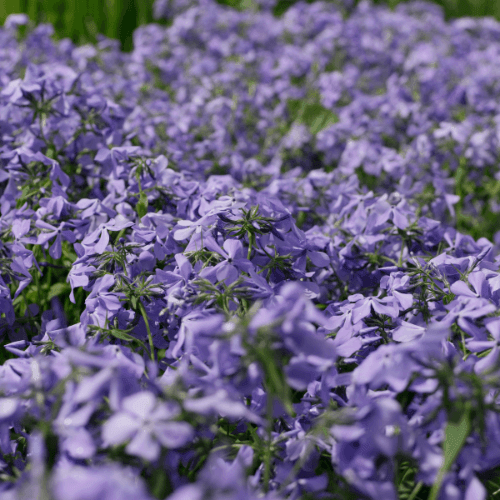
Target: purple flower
point(110, 481)
point(146, 423)
point(234, 262)
point(89, 242)
point(479, 284)
point(101, 304)
point(79, 276)
point(382, 211)
point(55, 251)
point(378, 429)
point(394, 364)
point(406, 332)
point(364, 305)
point(219, 403)
point(490, 360)
point(116, 155)
point(466, 309)
point(6, 306)
point(397, 284)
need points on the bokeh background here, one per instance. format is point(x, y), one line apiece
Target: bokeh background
point(83, 20)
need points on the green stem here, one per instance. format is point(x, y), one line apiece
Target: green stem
point(415, 491)
point(464, 348)
point(437, 485)
point(150, 337)
point(400, 261)
point(37, 286)
point(250, 244)
point(229, 446)
point(267, 458)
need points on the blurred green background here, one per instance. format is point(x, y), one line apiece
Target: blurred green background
point(82, 20)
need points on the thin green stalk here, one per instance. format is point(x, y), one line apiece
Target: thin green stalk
point(150, 337)
point(267, 457)
point(400, 260)
point(464, 348)
point(250, 244)
point(436, 487)
point(415, 491)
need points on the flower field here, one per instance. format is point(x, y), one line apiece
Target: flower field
point(257, 257)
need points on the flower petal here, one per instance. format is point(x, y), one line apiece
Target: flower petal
point(174, 434)
point(119, 428)
point(140, 404)
point(143, 445)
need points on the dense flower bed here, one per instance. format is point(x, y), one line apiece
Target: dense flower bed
point(234, 262)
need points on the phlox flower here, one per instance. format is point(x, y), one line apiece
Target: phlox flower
point(146, 424)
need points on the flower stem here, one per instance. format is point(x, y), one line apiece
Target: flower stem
point(250, 244)
point(415, 491)
point(267, 458)
point(150, 337)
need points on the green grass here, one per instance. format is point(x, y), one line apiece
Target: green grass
point(82, 20)
point(460, 8)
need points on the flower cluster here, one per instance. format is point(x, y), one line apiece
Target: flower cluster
point(252, 259)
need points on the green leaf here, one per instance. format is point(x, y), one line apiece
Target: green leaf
point(142, 205)
point(119, 334)
point(316, 117)
point(457, 431)
point(159, 484)
point(312, 114)
point(295, 108)
point(52, 447)
point(275, 381)
point(58, 289)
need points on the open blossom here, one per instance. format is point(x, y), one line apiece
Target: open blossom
point(54, 232)
point(102, 234)
point(364, 305)
point(102, 304)
point(146, 424)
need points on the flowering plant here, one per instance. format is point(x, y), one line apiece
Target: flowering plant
point(255, 258)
